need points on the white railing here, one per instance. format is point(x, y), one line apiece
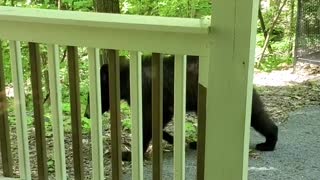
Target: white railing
point(178, 36)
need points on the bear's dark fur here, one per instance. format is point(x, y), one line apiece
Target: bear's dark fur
point(260, 120)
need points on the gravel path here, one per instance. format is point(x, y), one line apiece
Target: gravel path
point(297, 155)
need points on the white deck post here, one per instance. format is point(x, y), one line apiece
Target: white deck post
point(136, 114)
point(179, 116)
point(56, 109)
point(20, 110)
point(95, 112)
point(229, 94)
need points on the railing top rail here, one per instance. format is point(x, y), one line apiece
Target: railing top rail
point(105, 20)
point(102, 30)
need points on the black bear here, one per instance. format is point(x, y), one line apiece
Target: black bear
point(260, 120)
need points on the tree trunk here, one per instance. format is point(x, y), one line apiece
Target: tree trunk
point(46, 78)
point(292, 27)
point(270, 31)
point(263, 26)
point(107, 6)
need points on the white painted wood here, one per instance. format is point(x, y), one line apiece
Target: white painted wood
point(105, 20)
point(136, 114)
point(95, 113)
point(127, 32)
point(20, 110)
point(229, 94)
point(56, 110)
point(179, 116)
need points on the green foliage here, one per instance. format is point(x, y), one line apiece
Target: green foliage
point(51, 165)
point(125, 108)
point(126, 116)
point(6, 62)
point(66, 108)
point(169, 8)
point(79, 5)
point(86, 125)
point(279, 58)
point(191, 131)
point(127, 124)
point(275, 63)
point(281, 39)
